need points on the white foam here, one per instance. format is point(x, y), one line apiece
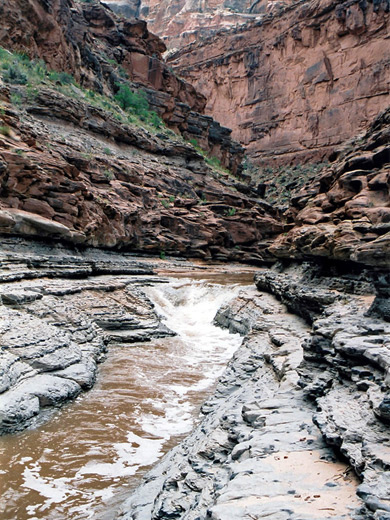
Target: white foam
point(175, 370)
point(189, 308)
point(130, 456)
point(55, 490)
point(199, 354)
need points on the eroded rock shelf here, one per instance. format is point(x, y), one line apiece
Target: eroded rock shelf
point(298, 425)
point(307, 385)
point(250, 456)
point(257, 453)
point(56, 325)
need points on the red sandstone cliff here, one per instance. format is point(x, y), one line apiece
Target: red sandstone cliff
point(296, 83)
point(344, 214)
point(181, 22)
point(72, 171)
point(89, 41)
point(75, 167)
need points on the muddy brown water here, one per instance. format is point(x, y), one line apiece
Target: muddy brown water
point(84, 461)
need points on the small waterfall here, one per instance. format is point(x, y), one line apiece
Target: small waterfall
point(198, 354)
point(82, 463)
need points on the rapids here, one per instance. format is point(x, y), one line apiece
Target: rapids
point(82, 462)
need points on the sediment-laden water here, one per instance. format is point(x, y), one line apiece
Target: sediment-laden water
point(82, 463)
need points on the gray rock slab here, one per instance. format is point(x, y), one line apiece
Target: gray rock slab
point(256, 453)
point(60, 311)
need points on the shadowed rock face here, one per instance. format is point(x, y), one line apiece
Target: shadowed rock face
point(80, 38)
point(298, 82)
point(72, 171)
point(181, 22)
point(127, 8)
point(345, 213)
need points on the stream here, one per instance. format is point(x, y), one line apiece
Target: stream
point(84, 461)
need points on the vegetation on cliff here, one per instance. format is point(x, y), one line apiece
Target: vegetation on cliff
point(126, 105)
point(279, 184)
point(74, 166)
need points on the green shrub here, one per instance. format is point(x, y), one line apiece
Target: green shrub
point(18, 69)
point(61, 77)
point(108, 175)
point(136, 104)
point(32, 92)
point(155, 120)
point(4, 54)
point(5, 130)
point(40, 69)
point(214, 161)
point(15, 75)
point(127, 99)
point(122, 73)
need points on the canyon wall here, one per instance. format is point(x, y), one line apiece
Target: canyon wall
point(90, 42)
point(344, 213)
point(72, 171)
point(298, 82)
point(102, 51)
point(76, 171)
point(181, 22)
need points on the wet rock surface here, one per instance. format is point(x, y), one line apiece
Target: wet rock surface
point(345, 373)
point(256, 452)
point(60, 311)
point(298, 392)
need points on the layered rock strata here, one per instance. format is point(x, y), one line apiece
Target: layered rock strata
point(101, 51)
point(182, 22)
point(87, 40)
point(257, 443)
point(344, 214)
point(60, 311)
point(256, 452)
point(298, 82)
point(345, 372)
point(72, 171)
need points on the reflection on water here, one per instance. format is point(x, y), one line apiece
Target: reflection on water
point(82, 463)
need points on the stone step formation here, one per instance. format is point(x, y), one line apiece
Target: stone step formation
point(292, 390)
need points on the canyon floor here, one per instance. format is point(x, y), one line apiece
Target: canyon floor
point(302, 396)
